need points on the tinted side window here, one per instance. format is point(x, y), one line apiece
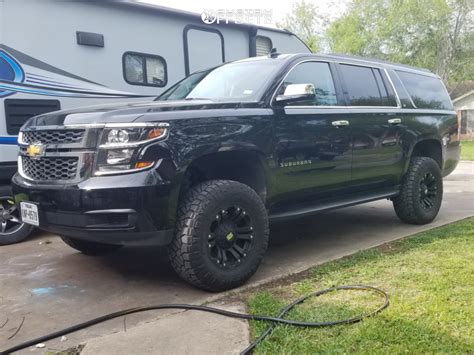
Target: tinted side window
point(319, 75)
point(426, 91)
point(364, 86)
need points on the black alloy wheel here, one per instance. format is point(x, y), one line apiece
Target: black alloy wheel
point(230, 237)
point(428, 191)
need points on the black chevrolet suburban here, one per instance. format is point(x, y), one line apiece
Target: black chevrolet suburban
point(207, 165)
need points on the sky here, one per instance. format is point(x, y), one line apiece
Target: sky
point(280, 7)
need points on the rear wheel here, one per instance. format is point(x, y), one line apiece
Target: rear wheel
point(421, 193)
point(221, 235)
point(90, 248)
point(12, 230)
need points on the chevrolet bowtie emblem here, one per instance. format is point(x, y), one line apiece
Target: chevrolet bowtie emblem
point(35, 150)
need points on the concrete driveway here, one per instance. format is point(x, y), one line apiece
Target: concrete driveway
point(45, 285)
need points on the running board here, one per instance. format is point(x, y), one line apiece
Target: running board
point(309, 209)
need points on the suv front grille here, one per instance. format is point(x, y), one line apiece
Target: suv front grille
point(59, 136)
point(64, 168)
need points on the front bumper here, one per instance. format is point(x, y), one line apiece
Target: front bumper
point(128, 209)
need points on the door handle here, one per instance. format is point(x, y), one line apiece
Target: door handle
point(340, 123)
point(395, 121)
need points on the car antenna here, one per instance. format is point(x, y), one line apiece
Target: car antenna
point(273, 53)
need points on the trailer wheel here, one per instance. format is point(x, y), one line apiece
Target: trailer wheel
point(221, 235)
point(12, 230)
point(90, 248)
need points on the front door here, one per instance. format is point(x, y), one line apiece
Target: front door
point(313, 154)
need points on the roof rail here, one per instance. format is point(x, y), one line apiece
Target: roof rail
point(375, 60)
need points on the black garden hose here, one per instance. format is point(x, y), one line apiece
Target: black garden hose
point(272, 320)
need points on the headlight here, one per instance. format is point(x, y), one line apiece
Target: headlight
point(120, 145)
point(131, 135)
point(117, 136)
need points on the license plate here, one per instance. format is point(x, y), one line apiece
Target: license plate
point(29, 213)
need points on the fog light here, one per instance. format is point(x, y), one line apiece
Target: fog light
point(119, 156)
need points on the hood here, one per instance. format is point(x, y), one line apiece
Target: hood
point(122, 113)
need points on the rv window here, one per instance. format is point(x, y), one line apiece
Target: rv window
point(144, 69)
point(264, 45)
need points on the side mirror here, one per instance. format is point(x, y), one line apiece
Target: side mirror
point(297, 92)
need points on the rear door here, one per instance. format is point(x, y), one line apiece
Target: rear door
point(376, 126)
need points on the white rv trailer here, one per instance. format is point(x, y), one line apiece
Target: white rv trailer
point(64, 54)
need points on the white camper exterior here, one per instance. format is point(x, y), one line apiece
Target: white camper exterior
point(64, 54)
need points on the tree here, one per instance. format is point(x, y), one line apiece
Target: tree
point(434, 34)
point(304, 22)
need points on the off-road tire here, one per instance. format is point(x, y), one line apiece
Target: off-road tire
point(408, 204)
point(90, 248)
point(196, 212)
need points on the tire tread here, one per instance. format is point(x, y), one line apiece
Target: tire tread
point(406, 202)
point(182, 251)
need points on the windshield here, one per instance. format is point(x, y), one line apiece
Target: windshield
point(239, 81)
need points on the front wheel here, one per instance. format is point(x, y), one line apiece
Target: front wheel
point(221, 235)
point(421, 192)
point(90, 248)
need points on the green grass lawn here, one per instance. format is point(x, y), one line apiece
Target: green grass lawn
point(430, 279)
point(467, 150)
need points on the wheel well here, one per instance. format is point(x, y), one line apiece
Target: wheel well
point(244, 167)
point(429, 148)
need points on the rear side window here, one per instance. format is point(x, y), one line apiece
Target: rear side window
point(144, 69)
point(365, 87)
point(426, 91)
point(319, 75)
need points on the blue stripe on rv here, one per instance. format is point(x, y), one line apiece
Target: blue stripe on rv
point(9, 140)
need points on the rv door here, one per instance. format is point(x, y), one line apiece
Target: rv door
point(203, 48)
